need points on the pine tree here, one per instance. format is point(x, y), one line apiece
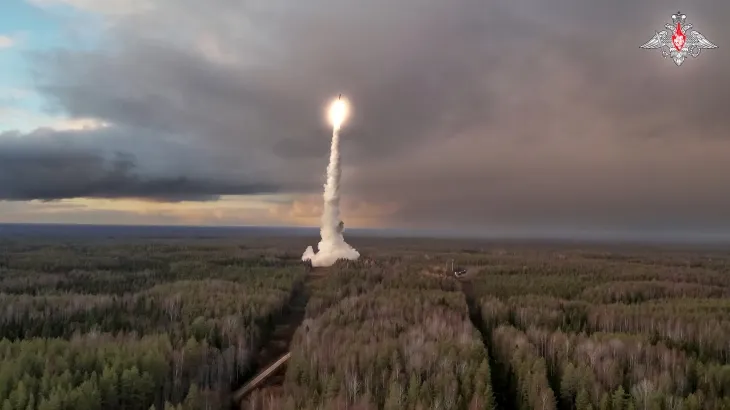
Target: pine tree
point(605, 403)
point(413, 390)
point(583, 401)
point(192, 400)
point(394, 400)
point(108, 388)
point(619, 399)
point(19, 396)
point(693, 402)
point(31, 403)
point(568, 385)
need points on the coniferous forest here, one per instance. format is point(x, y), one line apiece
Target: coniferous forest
point(183, 323)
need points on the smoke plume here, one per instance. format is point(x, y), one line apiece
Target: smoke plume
point(332, 246)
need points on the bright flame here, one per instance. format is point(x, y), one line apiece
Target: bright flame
point(338, 113)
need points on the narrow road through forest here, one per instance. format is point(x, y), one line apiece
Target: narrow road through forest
point(503, 395)
point(278, 342)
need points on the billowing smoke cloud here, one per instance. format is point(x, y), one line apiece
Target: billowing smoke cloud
point(332, 247)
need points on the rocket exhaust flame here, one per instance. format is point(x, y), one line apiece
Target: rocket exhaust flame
point(338, 112)
point(332, 247)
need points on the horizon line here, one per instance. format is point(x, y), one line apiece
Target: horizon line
point(596, 235)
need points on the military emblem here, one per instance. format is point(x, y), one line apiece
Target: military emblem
point(678, 40)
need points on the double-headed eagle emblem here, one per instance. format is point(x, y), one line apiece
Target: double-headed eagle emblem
point(678, 40)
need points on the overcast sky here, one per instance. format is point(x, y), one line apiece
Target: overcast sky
point(481, 115)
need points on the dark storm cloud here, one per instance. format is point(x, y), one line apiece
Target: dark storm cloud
point(410, 75)
point(468, 113)
point(50, 165)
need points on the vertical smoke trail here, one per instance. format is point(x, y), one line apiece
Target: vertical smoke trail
point(331, 213)
point(332, 246)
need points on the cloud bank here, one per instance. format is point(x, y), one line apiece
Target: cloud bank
point(491, 114)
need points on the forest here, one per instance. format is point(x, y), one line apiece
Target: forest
point(181, 323)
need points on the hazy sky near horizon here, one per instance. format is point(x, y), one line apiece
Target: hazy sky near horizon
point(487, 115)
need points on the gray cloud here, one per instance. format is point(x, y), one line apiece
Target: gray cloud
point(50, 165)
point(468, 113)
